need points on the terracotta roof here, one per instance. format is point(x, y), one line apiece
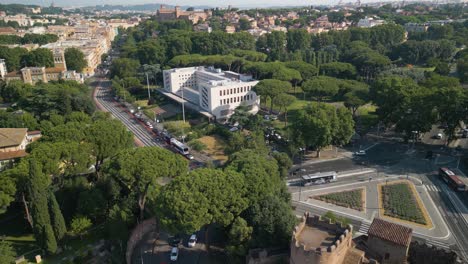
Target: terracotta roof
point(12, 154)
point(13, 74)
point(7, 30)
point(10, 137)
point(395, 233)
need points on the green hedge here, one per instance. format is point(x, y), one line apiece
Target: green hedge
point(399, 202)
point(351, 199)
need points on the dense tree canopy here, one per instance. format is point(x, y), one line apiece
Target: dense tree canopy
point(139, 169)
point(210, 196)
point(75, 59)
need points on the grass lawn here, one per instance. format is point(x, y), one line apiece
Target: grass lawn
point(350, 199)
point(14, 228)
point(398, 201)
point(76, 246)
point(215, 146)
point(367, 117)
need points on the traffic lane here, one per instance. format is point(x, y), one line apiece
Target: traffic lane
point(456, 225)
point(138, 128)
point(385, 154)
point(344, 164)
point(123, 116)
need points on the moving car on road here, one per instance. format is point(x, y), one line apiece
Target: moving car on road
point(360, 153)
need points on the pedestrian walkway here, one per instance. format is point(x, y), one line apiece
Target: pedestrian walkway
point(432, 188)
point(364, 227)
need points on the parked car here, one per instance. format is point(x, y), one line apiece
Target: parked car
point(234, 129)
point(439, 136)
point(360, 153)
point(274, 117)
point(298, 171)
point(192, 241)
point(189, 156)
point(175, 241)
point(174, 253)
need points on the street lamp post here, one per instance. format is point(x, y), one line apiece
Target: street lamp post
point(147, 85)
point(183, 105)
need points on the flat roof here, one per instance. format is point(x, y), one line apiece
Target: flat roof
point(316, 236)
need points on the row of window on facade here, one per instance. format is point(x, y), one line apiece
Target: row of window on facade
point(233, 90)
point(238, 99)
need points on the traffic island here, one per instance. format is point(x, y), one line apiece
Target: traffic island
point(353, 199)
point(400, 201)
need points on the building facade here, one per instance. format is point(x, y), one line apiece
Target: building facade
point(32, 75)
point(195, 16)
point(215, 91)
point(13, 142)
point(389, 241)
point(3, 68)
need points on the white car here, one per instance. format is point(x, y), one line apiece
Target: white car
point(360, 153)
point(174, 253)
point(439, 136)
point(192, 241)
point(189, 156)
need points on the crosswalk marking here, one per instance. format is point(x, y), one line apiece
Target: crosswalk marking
point(364, 228)
point(432, 188)
point(437, 244)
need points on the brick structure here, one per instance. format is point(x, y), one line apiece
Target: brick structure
point(319, 241)
point(177, 13)
point(389, 241)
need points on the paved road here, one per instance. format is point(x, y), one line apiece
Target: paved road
point(143, 133)
point(394, 158)
point(453, 216)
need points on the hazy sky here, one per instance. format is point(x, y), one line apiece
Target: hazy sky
point(176, 2)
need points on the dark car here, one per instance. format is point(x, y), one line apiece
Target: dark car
point(175, 241)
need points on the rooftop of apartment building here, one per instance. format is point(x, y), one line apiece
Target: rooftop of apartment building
point(216, 76)
point(12, 136)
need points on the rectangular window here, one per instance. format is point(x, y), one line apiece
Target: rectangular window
point(220, 93)
point(220, 102)
point(237, 89)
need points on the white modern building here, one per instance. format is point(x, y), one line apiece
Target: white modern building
point(369, 22)
point(3, 68)
point(212, 90)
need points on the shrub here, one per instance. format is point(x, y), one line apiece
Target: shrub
point(197, 145)
point(400, 202)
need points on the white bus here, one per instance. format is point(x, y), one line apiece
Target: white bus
point(318, 178)
point(179, 146)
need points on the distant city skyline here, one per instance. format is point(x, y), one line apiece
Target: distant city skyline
point(214, 3)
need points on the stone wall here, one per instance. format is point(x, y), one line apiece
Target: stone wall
point(396, 254)
point(332, 254)
point(420, 253)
